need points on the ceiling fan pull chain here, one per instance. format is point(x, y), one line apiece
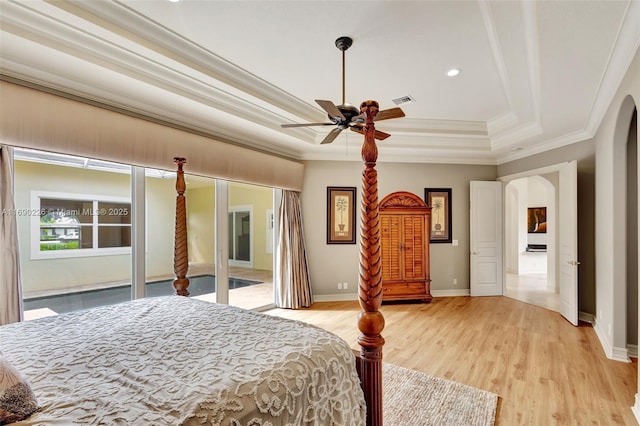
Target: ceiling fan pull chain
point(346, 145)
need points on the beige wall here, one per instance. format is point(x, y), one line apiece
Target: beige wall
point(331, 264)
point(201, 223)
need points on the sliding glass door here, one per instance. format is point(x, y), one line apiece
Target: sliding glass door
point(250, 213)
point(74, 228)
point(81, 221)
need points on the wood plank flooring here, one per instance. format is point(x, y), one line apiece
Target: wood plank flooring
point(546, 371)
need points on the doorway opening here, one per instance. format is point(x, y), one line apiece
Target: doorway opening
point(530, 235)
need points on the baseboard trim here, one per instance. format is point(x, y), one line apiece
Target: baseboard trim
point(335, 297)
point(636, 408)
point(632, 351)
point(610, 351)
point(620, 354)
point(341, 297)
point(602, 337)
point(450, 292)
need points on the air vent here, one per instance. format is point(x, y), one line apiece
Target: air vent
point(404, 100)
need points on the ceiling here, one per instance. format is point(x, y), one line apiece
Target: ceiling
point(534, 75)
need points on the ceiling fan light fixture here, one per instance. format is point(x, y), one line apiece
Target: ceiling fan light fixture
point(453, 72)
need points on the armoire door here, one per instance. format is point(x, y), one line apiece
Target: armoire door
point(391, 240)
point(413, 247)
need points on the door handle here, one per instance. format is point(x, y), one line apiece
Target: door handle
point(573, 262)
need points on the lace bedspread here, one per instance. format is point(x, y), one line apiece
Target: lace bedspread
point(180, 361)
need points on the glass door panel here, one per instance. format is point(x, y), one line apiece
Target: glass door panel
point(250, 246)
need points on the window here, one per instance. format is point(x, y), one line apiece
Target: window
point(70, 225)
point(240, 235)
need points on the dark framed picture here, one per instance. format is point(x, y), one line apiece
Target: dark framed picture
point(341, 215)
point(537, 220)
point(439, 199)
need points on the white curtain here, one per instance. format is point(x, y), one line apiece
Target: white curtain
point(10, 286)
point(293, 288)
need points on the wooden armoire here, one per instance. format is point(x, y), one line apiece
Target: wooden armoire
point(405, 224)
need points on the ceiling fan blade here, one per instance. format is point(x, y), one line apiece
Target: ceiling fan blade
point(358, 119)
point(331, 136)
point(389, 113)
point(381, 135)
point(308, 124)
point(377, 133)
point(331, 109)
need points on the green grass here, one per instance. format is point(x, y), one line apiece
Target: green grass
point(71, 245)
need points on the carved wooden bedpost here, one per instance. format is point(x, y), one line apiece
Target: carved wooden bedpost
point(180, 253)
point(370, 320)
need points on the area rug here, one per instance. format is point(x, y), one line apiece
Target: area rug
point(411, 398)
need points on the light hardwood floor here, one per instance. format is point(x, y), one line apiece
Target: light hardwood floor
point(532, 288)
point(546, 371)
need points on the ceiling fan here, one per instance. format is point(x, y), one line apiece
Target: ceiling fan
point(348, 116)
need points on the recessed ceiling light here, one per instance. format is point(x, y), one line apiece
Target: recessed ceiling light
point(175, 1)
point(453, 72)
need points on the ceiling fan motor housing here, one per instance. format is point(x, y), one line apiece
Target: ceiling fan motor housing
point(349, 111)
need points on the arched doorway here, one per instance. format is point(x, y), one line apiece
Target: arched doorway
point(624, 323)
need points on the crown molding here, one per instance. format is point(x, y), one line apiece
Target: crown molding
point(516, 136)
point(496, 49)
point(625, 49)
point(157, 38)
point(559, 142)
point(386, 154)
point(441, 127)
point(501, 123)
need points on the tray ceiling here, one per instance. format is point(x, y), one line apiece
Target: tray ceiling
point(534, 75)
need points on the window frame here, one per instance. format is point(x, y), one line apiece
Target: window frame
point(34, 239)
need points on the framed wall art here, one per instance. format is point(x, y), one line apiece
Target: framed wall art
point(536, 220)
point(439, 199)
point(341, 215)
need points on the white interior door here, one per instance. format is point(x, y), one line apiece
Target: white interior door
point(486, 238)
point(568, 241)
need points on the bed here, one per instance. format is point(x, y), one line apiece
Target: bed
point(180, 361)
